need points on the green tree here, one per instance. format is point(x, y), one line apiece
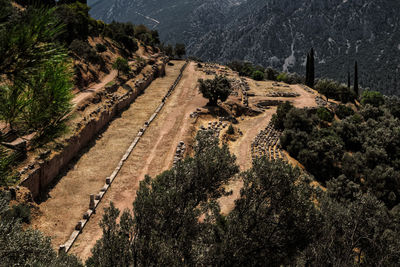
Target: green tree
point(217, 89)
point(19, 247)
point(279, 117)
point(258, 75)
point(169, 50)
point(270, 223)
point(373, 98)
point(324, 114)
point(121, 65)
point(180, 50)
point(167, 211)
point(49, 95)
point(28, 42)
point(114, 248)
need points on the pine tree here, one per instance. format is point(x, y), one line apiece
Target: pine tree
point(356, 79)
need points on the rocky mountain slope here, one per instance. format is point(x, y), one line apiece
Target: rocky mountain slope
point(278, 33)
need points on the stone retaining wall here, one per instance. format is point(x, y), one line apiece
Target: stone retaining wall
point(43, 172)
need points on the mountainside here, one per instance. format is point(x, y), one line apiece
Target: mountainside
point(278, 33)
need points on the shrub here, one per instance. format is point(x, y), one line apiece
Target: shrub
point(83, 50)
point(20, 212)
point(258, 75)
point(282, 77)
point(279, 118)
point(230, 130)
point(373, 98)
point(334, 90)
point(271, 74)
point(101, 48)
point(324, 114)
point(343, 111)
point(180, 50)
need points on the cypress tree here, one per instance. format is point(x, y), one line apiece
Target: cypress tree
point(308, 70)
point(348, 80)
point(310, 76)
point(356, 78)
point(312, 68)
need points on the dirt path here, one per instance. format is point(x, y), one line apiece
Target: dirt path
point(250, 127)
point(153, 154)
point(81, 96)
point(69, 198)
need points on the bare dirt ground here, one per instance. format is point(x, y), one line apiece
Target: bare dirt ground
point(153, 154)
point(69, 198)
point(81, 96)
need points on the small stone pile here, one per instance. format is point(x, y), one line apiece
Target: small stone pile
point(215, 127)
point(307, 89)
point(320, 101)
point(283, 94)
point(195, 114)
point(267, 144)
point(180, 152)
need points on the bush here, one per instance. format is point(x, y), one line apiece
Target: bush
point(83, 50)
point(325, 115)
point(271, 74)
point(343, 111)
point(290, 78)
point(257, 75)
point(101, 48)
point(280, 116)
point(373, 98)
point(180, 50)
point(20, 212)
point(334, 90)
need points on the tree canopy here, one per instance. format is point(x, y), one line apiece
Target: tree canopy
point(216, 89)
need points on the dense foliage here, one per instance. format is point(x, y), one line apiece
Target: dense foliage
point(216, 89)
point(278, 220)
point(35, 91)
point(359, 153)
point(334, 90)
point(19, 247)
